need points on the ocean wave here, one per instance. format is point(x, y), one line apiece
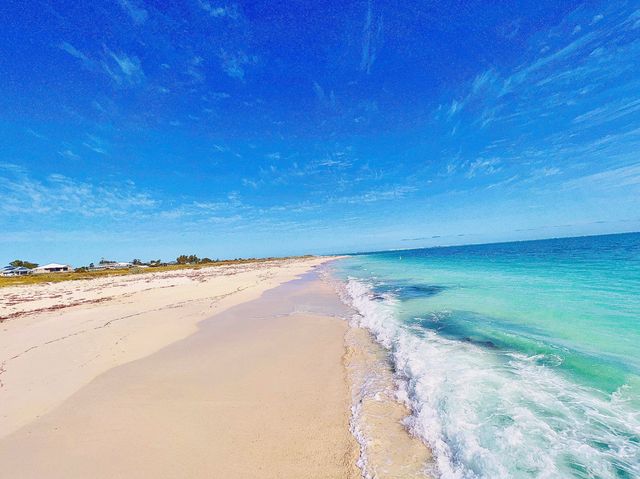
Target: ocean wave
point(491, 413)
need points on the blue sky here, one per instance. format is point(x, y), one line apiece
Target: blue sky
point(138, 128)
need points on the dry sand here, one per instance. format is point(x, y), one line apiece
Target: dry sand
point(60, 336)
point(138, 385)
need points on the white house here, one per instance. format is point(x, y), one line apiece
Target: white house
point(52, 268)
point(123, 264)
point(113, 265)
point(15, 271)
point(21, 271)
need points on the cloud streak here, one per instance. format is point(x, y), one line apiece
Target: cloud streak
point(123, 69)
point(608, 179)
point(137, 13)
point(60, 195)
point(371, 39)
point(230, 11)
point(234, 64)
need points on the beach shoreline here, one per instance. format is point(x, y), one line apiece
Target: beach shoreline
point(256, 387)
point(237, 372)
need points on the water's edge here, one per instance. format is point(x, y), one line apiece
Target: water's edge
point(379, 415)
point(502, 357)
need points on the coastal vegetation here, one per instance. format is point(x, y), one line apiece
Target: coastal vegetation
point(150, 267)
point(193, 259)
point(16, 263)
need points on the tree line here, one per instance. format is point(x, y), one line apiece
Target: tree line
point(182, 259)
point(192, 259)
point(16, 263)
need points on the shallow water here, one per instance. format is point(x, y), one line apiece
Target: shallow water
point(517, 359)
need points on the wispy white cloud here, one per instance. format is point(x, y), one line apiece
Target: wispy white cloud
point(12, 168)
point(249, 183)
point(574, 103)
point(233, 64)
point(611, 178)
point(546, 171)
point(231, 11)
point(95, 148)
point(36, 134)
point(326, 100)
point(611, 111)
point(88, 204)
point(371, 39)
point(69, 154)
point(216, 95)
point(95, 144)
point(568, 68)
point(135, 10)
point(484, 166)
point(511, 29)
point(194, 69)
point(382, 194)
point(122, 68)
point(74, 52)
point(508, 181)
point(60, 195)
point(453, 109)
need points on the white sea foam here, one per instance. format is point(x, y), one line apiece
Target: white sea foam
point(494, 414)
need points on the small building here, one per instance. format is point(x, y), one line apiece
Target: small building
point(15, 271)
point(7, 271)
point(112, 265)
point(123, 265)
point(21, 271)
point(52, 268)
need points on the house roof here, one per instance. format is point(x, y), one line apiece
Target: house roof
point(10, 270)
point(53, 265)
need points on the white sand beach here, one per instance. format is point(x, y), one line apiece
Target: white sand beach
point(234, 371)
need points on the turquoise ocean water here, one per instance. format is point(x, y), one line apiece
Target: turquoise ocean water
point(518, 359)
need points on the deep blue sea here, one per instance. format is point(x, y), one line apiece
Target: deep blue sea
point(519, 360)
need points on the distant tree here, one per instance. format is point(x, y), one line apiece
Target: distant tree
point(91, 265)
point(16, 263)
point(206, 260)
point(190, 259)
point(137, 262)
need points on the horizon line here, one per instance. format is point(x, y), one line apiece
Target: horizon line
point(482, 244)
